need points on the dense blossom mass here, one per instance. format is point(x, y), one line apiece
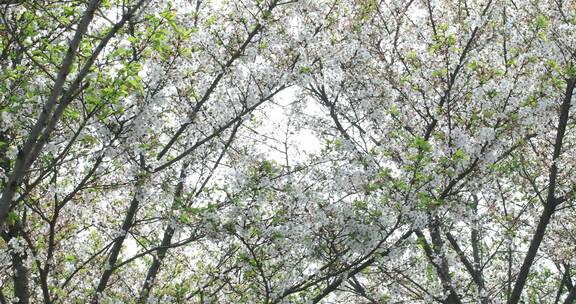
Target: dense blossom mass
point(287, 151)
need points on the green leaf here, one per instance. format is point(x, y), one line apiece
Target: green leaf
point(459, 155)
point(72, 114)
point(422, 144)
point(541, 22)
point(570, 70)
point(70, 258)
point(12, 217)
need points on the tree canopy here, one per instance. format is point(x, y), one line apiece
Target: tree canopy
point(287, 151)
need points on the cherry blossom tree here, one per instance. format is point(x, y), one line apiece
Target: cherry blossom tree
point(287, 151)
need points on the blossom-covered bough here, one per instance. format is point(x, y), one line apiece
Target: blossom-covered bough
point(283, 151)
point(446, 100)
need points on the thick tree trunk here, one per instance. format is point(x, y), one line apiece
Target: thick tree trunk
point(21, 278)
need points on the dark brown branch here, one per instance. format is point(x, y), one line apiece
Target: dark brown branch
point(24, 157)
point(551, 200)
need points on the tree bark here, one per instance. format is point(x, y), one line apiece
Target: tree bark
point(550, 205)
point(166, 241)
point(24, 159)
point(113, 257)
